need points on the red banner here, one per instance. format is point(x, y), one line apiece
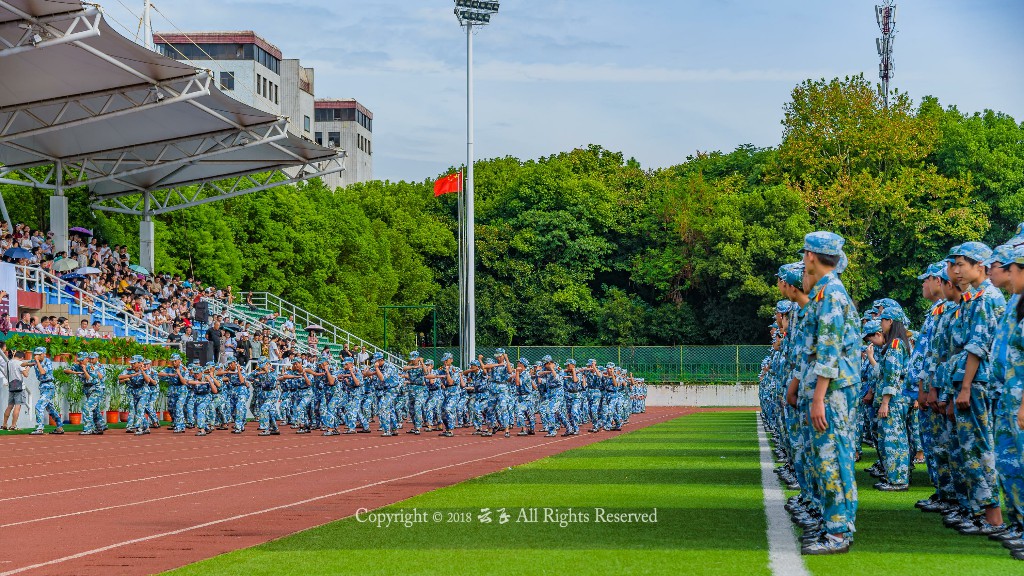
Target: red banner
point(448, 184)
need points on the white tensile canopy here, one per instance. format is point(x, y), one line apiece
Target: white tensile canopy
point(81, 105)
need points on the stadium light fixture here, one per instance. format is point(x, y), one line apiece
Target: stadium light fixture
point(470, 13)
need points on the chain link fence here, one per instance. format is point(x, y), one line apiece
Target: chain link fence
point(655, 363)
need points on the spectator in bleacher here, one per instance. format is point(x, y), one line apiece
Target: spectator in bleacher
point(187, 336)
point(5, 320)
point(363, 358)
point(213, 335)
point(289, 327)
point(83, 330)
point(25, 324)
point(249, 302)
point(63, 328)
point(345, 352)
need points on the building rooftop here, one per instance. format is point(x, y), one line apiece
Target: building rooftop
point(342, 103)
point(229, 37)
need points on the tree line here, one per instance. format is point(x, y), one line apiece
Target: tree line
point(587, 247)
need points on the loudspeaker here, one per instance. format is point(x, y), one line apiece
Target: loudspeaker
point(201, 351)
point(202, 311)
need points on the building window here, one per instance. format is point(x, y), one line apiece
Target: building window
point(265, 88)
point(318, 137)
point(227, 80)
point(259, 82)
point(277, 101)
point(334, 139)
point(305, 123)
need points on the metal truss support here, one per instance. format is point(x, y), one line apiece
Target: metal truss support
point(204, 193)
point(41, 32)
point(99, 106)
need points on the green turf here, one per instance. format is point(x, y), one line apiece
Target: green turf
point(701, 472)
point(895, 539)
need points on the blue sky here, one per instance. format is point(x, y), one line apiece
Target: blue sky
point(655, 79)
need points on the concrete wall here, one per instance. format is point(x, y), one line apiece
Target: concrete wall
point(358, 164)
point(296, 104)
point(702, 395)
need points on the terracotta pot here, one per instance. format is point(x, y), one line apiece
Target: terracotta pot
point(123, 415)
point(113, 417)
point(167, 417)
point(75, 417)
point(52, 423)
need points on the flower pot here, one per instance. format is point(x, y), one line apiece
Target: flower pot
point(167, 417)
point(113, 417)
point(123, 415)
point(52, 422)
point(75, 417)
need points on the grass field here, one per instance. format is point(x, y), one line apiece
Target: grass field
point(895, 539)
point(702, 474)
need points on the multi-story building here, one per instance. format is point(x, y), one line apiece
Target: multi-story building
point(346, 124)
point(251, 70)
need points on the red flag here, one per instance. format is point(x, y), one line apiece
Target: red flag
point(448, 184)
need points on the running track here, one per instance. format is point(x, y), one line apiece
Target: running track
point(123, 505)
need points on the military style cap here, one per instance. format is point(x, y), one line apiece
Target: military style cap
point(82, 355)
point(546, 359)
point(524, 362)
point(175, 356)
point(783, 306)
point(414, 355)
point(822, 242)
point(447, 356)
point(872, 327)
point(932, 270)
point(1018, 237)
point(976, 251)
point(1002, 254)
point(499, 351)
point(1018, 257)
point(39, 350)
point(892, 314)
point(347, 360)
point(792, 273)
point(94, 355)
point(474, 363)
point(570, 361)
point(378, 356)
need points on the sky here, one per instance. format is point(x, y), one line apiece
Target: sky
point(657, 80)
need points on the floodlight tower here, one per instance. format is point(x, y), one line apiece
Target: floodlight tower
point(471, 13)
point(885, 15)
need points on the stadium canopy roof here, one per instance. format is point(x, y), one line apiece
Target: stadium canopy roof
point(104, 112)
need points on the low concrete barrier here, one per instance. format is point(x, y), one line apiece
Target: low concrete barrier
point(740, 394)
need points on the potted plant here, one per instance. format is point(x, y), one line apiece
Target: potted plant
point(70, 387)
point(116, 393)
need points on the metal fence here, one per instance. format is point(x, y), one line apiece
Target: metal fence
point(655, 363)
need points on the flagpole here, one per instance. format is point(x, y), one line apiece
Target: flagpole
point(469, 318)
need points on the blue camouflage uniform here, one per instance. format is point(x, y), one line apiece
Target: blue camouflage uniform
point(832, 334)
point(972, 332)
point(573, 398)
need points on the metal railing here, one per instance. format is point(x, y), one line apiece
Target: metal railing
point(38, 280)
point(707, 364)
point(332, 335)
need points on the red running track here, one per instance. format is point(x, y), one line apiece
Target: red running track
point(120, 504)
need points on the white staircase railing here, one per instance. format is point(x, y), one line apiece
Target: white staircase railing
point(38, 280)
point(332, 333)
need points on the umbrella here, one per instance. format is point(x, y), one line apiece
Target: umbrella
point(65, 265)
point(139, 269)
point(17, 253)
point(231, 327)
point(316, 328)
point(87, 270)
point(81, 230)
point(140, 291)
point(67, 277)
